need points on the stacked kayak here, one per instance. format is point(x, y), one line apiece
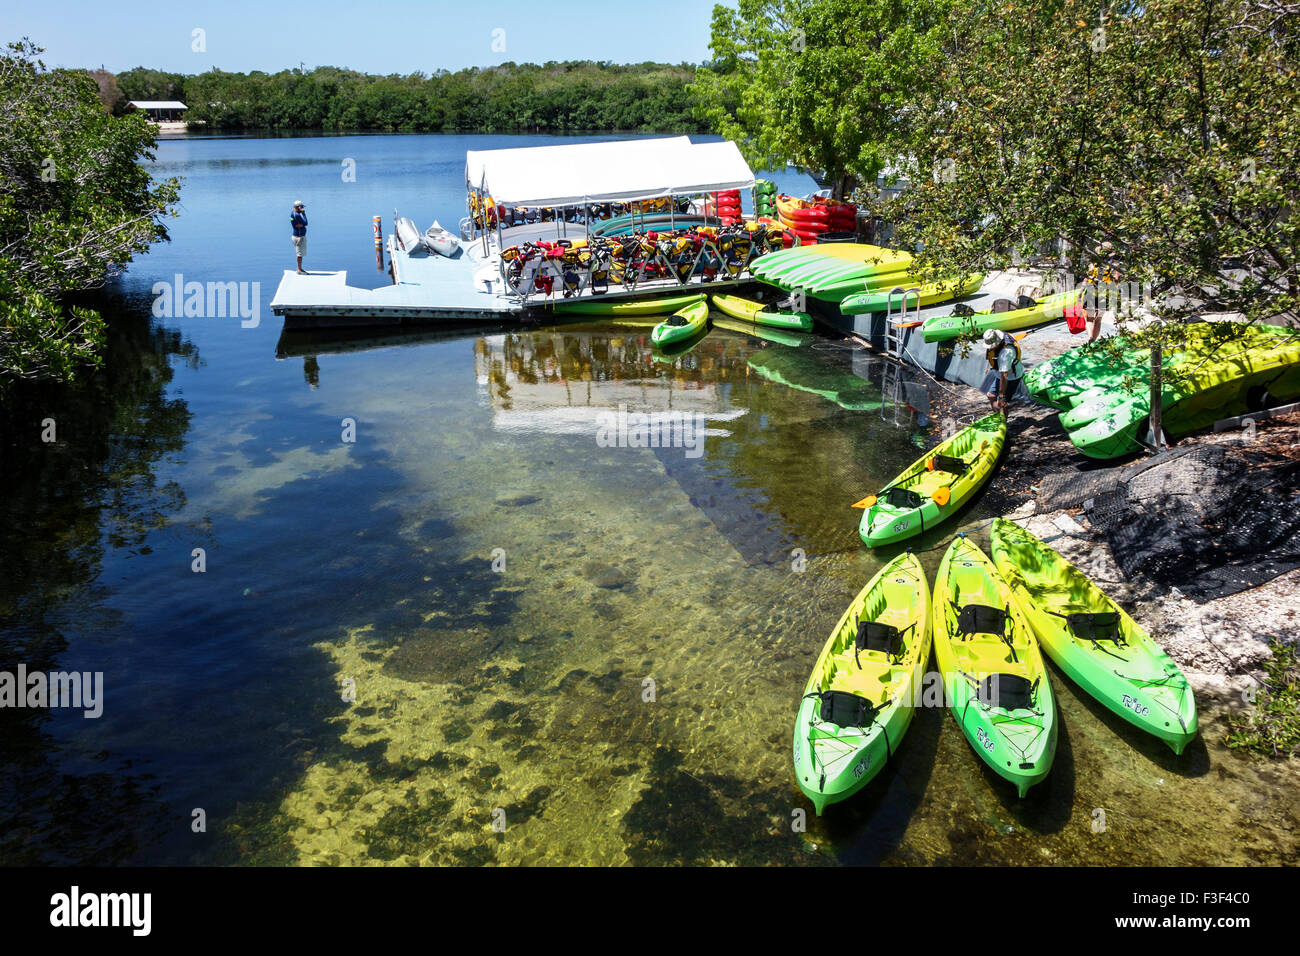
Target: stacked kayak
point(630, 223)
point(935, 486)
point(833, 270)
point(727, 205)
point(864, 687)
point(992, 669)
point(929, 294)
point(944, 327)
point(765, 198)
point(1220, 371)
point(627, 307)
point(748, 310)
point(808, 219)
point(682, 325)
point(1089, 636)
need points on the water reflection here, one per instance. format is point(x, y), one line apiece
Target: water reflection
point(66, 505)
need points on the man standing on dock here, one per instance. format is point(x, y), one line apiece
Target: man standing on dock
point(298, 220)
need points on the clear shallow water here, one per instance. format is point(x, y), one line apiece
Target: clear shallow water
point(522, 691)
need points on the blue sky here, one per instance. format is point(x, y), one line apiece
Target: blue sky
point(374, 36)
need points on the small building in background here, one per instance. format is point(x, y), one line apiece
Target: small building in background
point(168, 114)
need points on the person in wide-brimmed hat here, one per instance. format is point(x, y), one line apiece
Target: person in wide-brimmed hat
point(1005, 369)
point(298, 221)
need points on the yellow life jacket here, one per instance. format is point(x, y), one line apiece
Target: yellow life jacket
point(992, 354)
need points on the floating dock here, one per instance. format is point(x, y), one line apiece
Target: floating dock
point(427, 289)
point(430, 289)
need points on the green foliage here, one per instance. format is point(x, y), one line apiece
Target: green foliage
point(1271, 727)
point(1170, 130)
point(553, 97)
point(824, 84)
point(75, 205)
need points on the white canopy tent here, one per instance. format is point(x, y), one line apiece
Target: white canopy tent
point(612, 171)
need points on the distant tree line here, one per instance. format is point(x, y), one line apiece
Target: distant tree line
point(552, 97)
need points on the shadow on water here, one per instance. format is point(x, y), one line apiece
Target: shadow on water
point(308, 343)
point(1047, 807)
point(90, 489)
point(1195, 758)
point(870, 826)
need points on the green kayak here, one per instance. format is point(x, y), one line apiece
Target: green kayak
point(682, 325)
point(1089, 636)
point(865, 685)
point(1215, 373)
point(661, 306)
point(780, 336)
point(993, 672)
point(940, 328)
point(930, 294)
point(749, 310)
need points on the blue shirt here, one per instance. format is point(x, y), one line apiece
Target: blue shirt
point(299, 222)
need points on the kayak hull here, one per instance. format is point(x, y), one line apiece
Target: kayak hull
point(930, 294)
point(664, 306)
point(668, 332)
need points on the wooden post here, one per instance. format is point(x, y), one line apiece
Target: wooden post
point(1157, 406)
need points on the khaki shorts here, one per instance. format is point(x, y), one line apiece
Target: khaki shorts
point(300, 244)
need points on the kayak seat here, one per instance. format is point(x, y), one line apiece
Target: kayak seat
point(1007, 692)
point(981, 619)
point(876, 636)
point(1092, 626)
point(845, 709)
point(903, 498)
point(949, 464)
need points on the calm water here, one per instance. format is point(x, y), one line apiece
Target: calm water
point(370, 565)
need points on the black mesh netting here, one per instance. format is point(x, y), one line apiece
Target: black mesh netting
point(1211, 521)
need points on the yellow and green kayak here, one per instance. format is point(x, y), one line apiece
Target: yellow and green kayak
point(682, 325)
point(992, 669)
point(865, 685)
point(1089, 636)
point(935, 486)
point(943, 327)
point(780, 336)
point(748, 310)
point(647, 306)
point(930, 294)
